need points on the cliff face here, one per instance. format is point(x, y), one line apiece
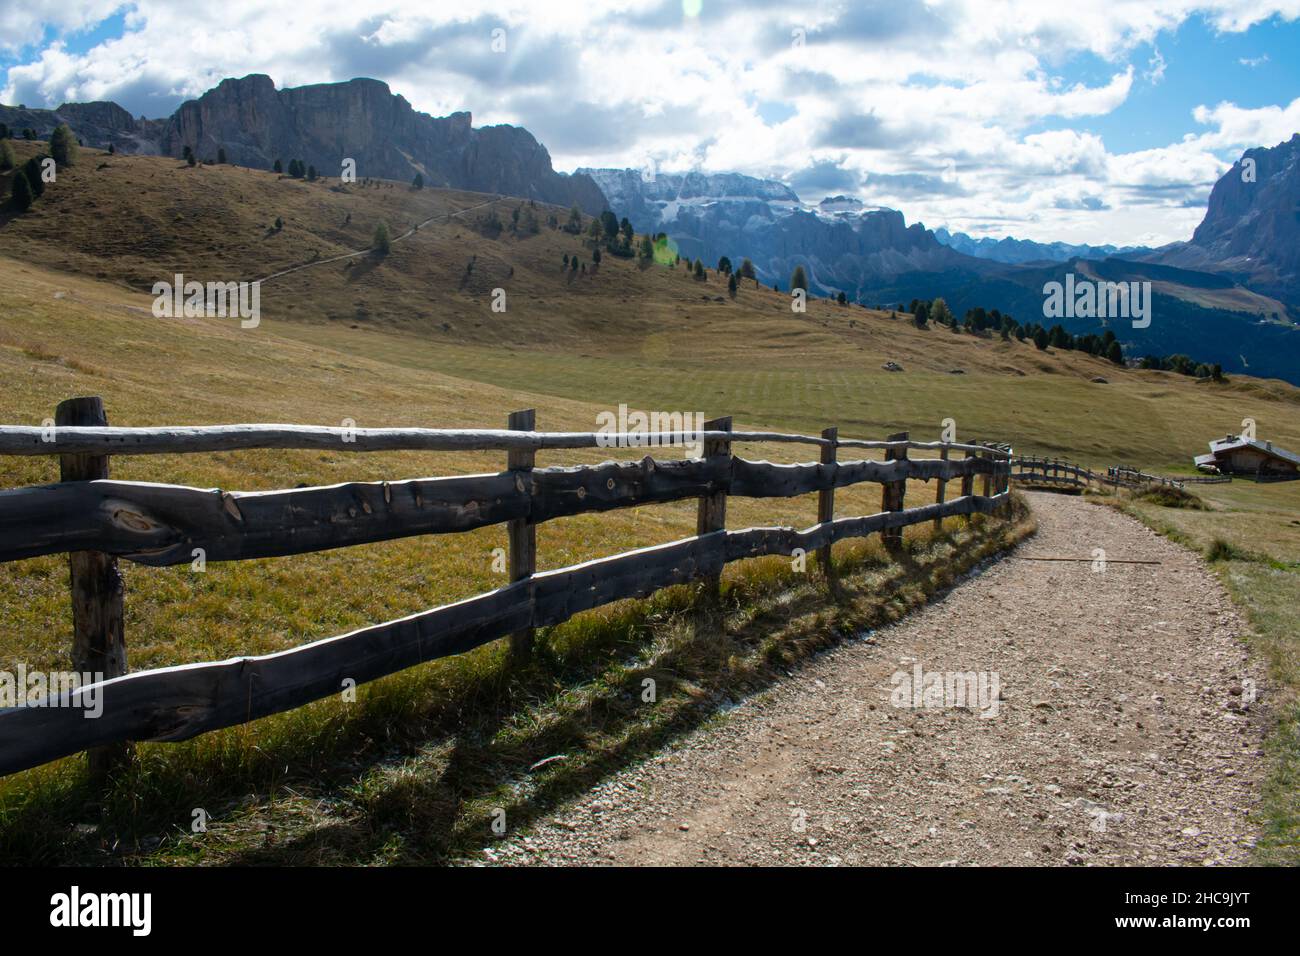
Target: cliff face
point(322, 125)
point(96, 124)
point(1252, 223)
point(363, 120)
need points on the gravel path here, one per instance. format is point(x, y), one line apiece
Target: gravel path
point(1124, 733)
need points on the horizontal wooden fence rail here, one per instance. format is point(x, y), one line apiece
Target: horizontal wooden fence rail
point(159, 524)
point(106, 440)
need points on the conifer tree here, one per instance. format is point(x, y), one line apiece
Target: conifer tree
point(382, 244)
point(22, 196)
point(63, 146)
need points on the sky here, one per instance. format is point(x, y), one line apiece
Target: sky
point(1079, 121)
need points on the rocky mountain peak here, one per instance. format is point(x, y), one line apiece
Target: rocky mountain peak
point(323, 124)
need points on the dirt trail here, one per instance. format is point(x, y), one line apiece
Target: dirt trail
point(1121, 738)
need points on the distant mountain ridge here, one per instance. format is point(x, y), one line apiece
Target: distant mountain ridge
point(1230, 294)
point(1212, 308)
point(1020, 251)
point(322, 124)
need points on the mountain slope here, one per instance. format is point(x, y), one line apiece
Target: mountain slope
point(322, 125)
point(1251, 228)
point(874, 257)
point(842, 245)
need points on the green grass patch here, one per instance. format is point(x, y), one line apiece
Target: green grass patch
point(1169, 497)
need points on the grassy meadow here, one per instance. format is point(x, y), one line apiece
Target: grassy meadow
point(409, 773)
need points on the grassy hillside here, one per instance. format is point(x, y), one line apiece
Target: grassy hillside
point(412, 340)
point(431, 351)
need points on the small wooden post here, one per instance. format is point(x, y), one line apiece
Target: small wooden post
point(98, 638)
point(712, 514)
point(523, 533)
point(988, 475)
point(892, 496)
point(968, 481)
point(941, 493)
point(826, 503)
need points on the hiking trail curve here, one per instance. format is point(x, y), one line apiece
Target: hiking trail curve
point(1126, 733)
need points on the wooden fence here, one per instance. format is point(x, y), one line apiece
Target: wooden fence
point(97, 521)
point(1030, 470)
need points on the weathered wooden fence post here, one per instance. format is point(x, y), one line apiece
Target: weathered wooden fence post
point(98, 638)
point(892, 496)
point(968, 480)
point(826, 503)
point(941, 492)
point(523, 533)
point(988, 475)
point(712, 514)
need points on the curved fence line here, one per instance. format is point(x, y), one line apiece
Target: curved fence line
point(97, 521)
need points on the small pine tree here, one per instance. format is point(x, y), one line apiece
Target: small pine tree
point(278, 167)
point(111, 149)
point(7, 160)
point(731, 286)
point(595, 256)
point(418, 181)
point(799, 280)
point(22, 197)
point(1040, 339)
point(4, 130)
point(382, 244)
point(311, 174)
point(221, 155)
point(32, 172)
point(699, 270)
point(746, 269)
point(63, 146)
point(190, 160)
point(939, 312)
point(1115, 353)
